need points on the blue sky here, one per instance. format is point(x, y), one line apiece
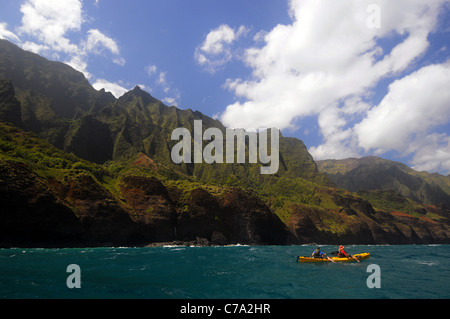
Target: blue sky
point(350, 78)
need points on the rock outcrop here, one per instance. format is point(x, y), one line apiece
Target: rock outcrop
point(78, 211)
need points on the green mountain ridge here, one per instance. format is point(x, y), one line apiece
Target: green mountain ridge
point(101, 167)
point(377, 174)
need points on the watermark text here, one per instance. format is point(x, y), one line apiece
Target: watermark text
point(213, 152)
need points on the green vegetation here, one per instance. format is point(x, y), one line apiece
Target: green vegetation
point(373, 173)
point(52, 120)
point(390, 201)
point(18, 145)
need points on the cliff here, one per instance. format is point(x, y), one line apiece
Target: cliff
point(81, 168)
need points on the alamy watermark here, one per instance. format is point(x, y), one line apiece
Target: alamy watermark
point(213, 152)
point(373, 21)
point(374, 280)
point(74, 279)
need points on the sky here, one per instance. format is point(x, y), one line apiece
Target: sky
point(350, 78)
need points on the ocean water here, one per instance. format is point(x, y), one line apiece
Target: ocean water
point(229, 272)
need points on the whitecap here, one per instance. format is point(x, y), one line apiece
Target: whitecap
point(428, 263)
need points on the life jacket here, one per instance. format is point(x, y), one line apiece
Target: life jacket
point(317, 253)
point(342, 253)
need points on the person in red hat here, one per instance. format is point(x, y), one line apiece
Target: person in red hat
point(342, 253)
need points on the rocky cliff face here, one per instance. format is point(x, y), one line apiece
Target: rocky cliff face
point(63, 201)
point(88, 169)
point(377, 174)
point(30, 214)
point(356, 221)
point(77, 210)
point(10, 109)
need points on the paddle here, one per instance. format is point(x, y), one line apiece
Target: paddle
point(330, 259)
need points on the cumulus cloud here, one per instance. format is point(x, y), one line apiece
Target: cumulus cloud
point(313, 63)
point(172, 101)
point(6, 34)
point(79, 63)
point(404, 119)
point(50, 25)
point(49, 21)
point(35, 47)
point(215, 51)
point(433, 153)
point(115, 88)
point(327, 63)
point(97, 40)
point(413, 105)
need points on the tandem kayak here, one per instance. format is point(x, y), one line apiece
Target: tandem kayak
point(304, 259)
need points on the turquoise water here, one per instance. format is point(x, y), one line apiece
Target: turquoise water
point(231, 272)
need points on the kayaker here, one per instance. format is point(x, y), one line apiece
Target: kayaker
point(343, 254)
point(317, 253)
point(320, 254)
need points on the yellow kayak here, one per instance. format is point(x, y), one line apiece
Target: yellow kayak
point(304, 259)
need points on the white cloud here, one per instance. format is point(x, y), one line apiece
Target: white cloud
point(151, 69)
point(144, 87)
point(414, 105)
point(217, 39)
point(78, 63)
point(97, 40)
point(170, 101)
point(259, 36)
point(96, 43)
point(50, 20)
point(433, 153)
point(116, 89)
point(173, 97)
point(327, 63)
point(35, 47)
point(173, 94)
point(313, 63)
point(215, 51)
point(119, 61)
point(162, 78)
point(6, 34)
point(51, 24)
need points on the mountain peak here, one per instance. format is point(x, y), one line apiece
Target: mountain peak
point(137, 92)
point(31, 74)
point(137, 89)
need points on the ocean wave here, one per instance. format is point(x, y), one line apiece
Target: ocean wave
point(428, 263)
